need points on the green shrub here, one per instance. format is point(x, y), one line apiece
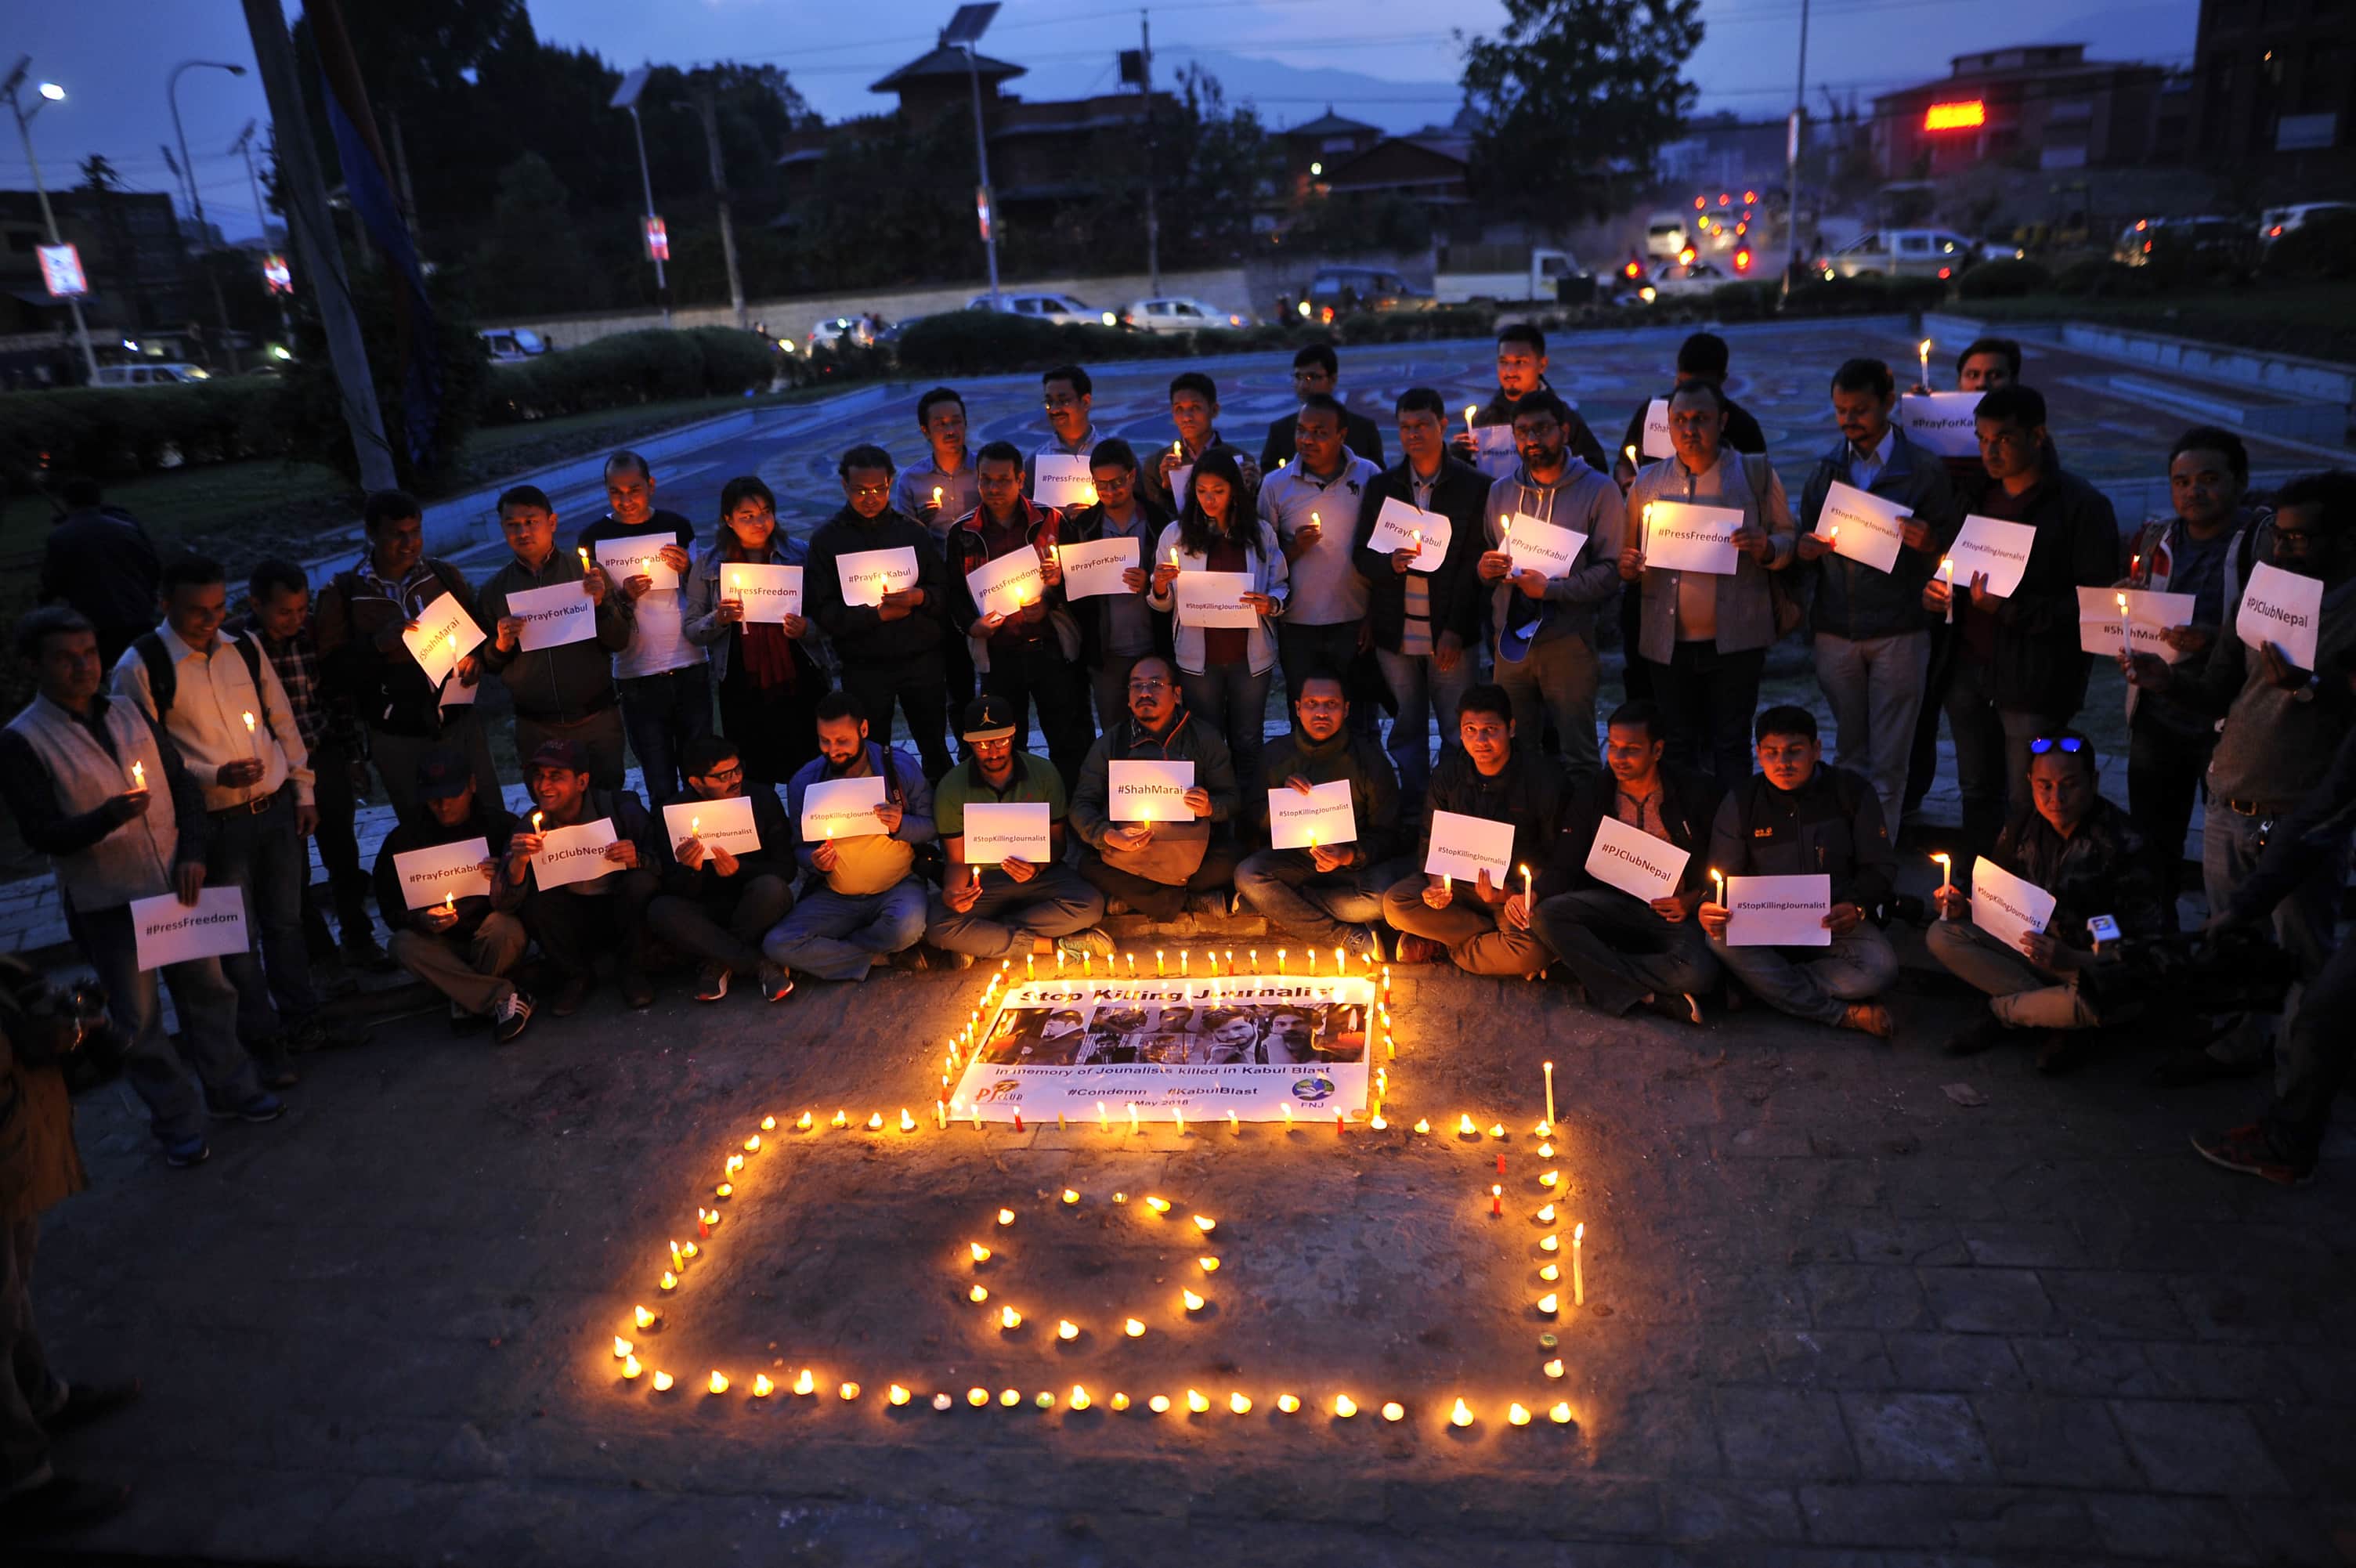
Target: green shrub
point(632, 368)
point(119, 432)
point(1914, 293)
point(311, 402)
point(2009, 278)
point(1745, 301)
point(2097, 276)
point(1417, 326)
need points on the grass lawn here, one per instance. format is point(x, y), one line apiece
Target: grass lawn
point(2316, 320)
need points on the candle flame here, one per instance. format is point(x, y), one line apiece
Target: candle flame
point(1008, 1318)
point(849, 1391)
point(1518, 1414)
point(1193, 1302)
point(1240, 1403)
point(1132, 1328)
point(1393, 1411)
point(719, 1384)
point(662, 1380)
point(897, 1393)
point(644, 1318)
point(631, 1366)
point(1197, 1401)
point(1066, 1329)
point(1344, 1406)
point(1462, 1415)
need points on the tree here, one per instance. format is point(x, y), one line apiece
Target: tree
point(530, 263)
point(1575, 97)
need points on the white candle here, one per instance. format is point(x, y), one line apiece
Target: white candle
point(1578, 1278)
point(1549, 1091)
point(1922, 352)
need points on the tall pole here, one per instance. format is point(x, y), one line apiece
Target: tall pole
point(1152, 223)
point(707, 105)
point(48, 218)
point(981, 159)
point(196, 194)
point(318, 250)
point(646, 184)
point(1792, 159)
point(244, 145)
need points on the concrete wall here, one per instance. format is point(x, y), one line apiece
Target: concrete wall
point(793, 316)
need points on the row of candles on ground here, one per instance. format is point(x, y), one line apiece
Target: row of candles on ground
point(1186, 963)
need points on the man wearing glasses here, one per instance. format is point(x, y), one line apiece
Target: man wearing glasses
point(2019, 670)
point(1330, 895)
point(1069, 398)
point(1117, 630)
point(717, 903)
point(1317, 370)
point(890, 652)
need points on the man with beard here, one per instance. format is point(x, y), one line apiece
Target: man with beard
point(892, 650)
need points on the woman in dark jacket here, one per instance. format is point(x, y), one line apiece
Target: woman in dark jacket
point(769, 682)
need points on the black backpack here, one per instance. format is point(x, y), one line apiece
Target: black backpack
point(164, 680)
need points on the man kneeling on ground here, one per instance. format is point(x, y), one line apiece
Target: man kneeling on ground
point(872, 908)
point(463, 948)
point(1331, 894)
point(1627, 951)
point(716, 904)
point(583, 925)
point(1153, 866)
point(1011, 906)
point(2086, 853)
point(1797, 817)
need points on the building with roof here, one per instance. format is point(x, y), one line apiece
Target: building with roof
point(130, 244)
point(1315, 151)
point(2044, 106)
point(2273, 85)
point(1430, 165)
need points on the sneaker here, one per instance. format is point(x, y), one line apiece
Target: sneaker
point(1981, 1034)
point(60, 1503)
point(1677, 1006)
point(711, 983)
point(190, 1151)
point(2245, 1149)
point(86, 1403)
point(263, 1106)
point(571, 991)
point(910, 959)
point(1418, 949)
point(776, 981)
point(1868, 1019)
point(513, 1013)
point(1363, 941)
point(945, 962)
point(1083, 944)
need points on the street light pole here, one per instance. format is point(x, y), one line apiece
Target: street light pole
point(1152, 220)
point(195, 192)
point(244, 147)
point(50, 92)
point(1792, 159)
point(982, 160)
point(625, 96)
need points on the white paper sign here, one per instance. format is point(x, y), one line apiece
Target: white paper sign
point(169, 931)
point(769, 594)
point(1866, 527)
point(639, 556)
point(1180, 478)
point(1941, 423)
point(1682, 537)
point(1991, 546)
point(1493, 450)
point(1007, 584)
point(841, 808)
point(1324, 815)
point(444, 634)
point(2149, 616)
point(719, 824)
point(2281, 607)
point(1634, 861)
point(2004, 905)
point(1778, 911)
point(573, 854)
point(867, 575)
point(1007, 830)
point(1148, 790)
point(1213, 599)
point(1094, 568)
point(1061, 481)
point(456, 694)
point(447, 869)
point(1657, 430)
point(555, 616)
point(1399, 526)
point(1463, 847)
point(1533, 545)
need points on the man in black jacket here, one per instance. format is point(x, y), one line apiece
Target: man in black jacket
point(1117, 629)
point(717, 903)
point(1628, 951)
point(461, 947)
point(1703, 357)
point(2020, 671)
point(1330, 895)
point(890, 650)
point(99, 560)
point(583, 925)
point(1021, 654)
point(1315, 369)
point(1426, 623)
point(1795, 817)
point(1521, 371)
point(565, 690)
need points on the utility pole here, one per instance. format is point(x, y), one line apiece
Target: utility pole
point(196, 194)
point(318, 250)
point(964, 31)
point(50, 92)
point(243, 146)
point(1152, 223)
point(626, 97)
point(707, 106)
point(1791, 160)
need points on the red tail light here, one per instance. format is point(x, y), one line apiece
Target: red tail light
point(1945, 273)
point(1742, 260)
point(1635, 271)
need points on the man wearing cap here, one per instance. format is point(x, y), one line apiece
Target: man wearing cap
point(718, 902)
point(587, 925)
point(871, 908)
point(1011, 906)
point(462, 947)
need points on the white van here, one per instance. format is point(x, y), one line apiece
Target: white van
point(1665, 234)
point(155, 374)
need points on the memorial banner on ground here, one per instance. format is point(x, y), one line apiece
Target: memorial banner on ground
point(1866, 527)
point(1941, 423)
point(996, 830)
point(553, 616)
point(1247, 1045)
point(1148, 790)
point(2006, 906)
point(718, 824)
point(571, 854)
point(168, 932)
point(1778, 911)
point(452, 870)
point(1401, 526)
point(769, 594)
point(1325, 815)
point(2281, 607)
point(867, 575)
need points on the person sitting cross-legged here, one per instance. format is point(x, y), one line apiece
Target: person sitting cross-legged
point(871, 908)
point(1798, 817)
point(1627, 951)
point(1153, 867)
point(1330, 895)
point(1015, 905)
point(1487, 774)
point(584, 926)
point(2086, 853)
point(716, 903)
point(463, 948)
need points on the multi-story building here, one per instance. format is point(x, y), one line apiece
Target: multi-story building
point(2042, 106)
point(2273, 82)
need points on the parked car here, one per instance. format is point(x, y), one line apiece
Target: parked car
point(856, 331)
point(1685, 279)
point(2222, 245)
point(1344, 290)
point(1067, 308)
point(506, 345)
point(1664, 233)
point(151, 374)
point(1179, 313)
point(2277, 222)
point(1901, 252)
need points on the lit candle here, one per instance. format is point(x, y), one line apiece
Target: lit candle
point(897, 1393)
point(1120, 1400)
point(1133, 1328)
point(1547, 1303)
point(1526, 889)
point(1518, 1413)
point(630, 1367)
point(450, 903)
point(1549, 1092)
point(622, 1348)
point(1946, 870)
point(1197, 1401)
point(676, 1261)
point(849, 1391)
point(977, 1396)
point(1287, 1109)
point(1133, 1119)
point(1464, 1128)
point(1948, 570)
point(1344, 1406)
point(1288, 1403)
point(1209, 1265)
point(977, 1294)
point(1253, 954)
point(535, 822)
point(1059, 963)
point(1070, 1195)
point(1009, 1319)
point(1631, 453)
point(1205, 1224)
point(980, 1253)
point(1645, 528)
point(1470, 410)
point(1159, 1205)
point(1066, 1329)
point(1160, 969)
point(2126, 644)
point(1560, 1414)
point(942, 1402)
point(1341, 964)
point(1006, 1217)
point(804, 1121)
point(719, 1383)
point(1240, 1403)
point(1393, 1411)
point(1159, 1404)
point(1462, 1415)
point(1922, 352)
point(582, 551)
point(1079, 1398)
point(1549, 1244)
point(248, 718)
point(139, 776)
point(1421, 1125)
point(1553, 1369)
point(768, 1124)
point(1132, 964)
point(1234, 1126)
point(1577, 1275)
point(1551, 1273)
point(1718, 877)
point(1279, 952)
point(936, 495)
point(644, 1318)
point(875, 1121)
point(1313, 960)
point(662, 1380)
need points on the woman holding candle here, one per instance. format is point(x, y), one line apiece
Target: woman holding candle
point(769, 682)
point(1224, 670)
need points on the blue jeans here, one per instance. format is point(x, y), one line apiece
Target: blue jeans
point(206, 1004)
point(661, 714)
point(260, 853)
point(2231, 844)
point(1340, 909)
point(839, 936)
point(1424, 693)
point(1007, 914)
point(1233, 702)
point(1816, 983)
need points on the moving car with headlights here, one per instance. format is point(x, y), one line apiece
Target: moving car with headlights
point(1180, 313)
point(1901, 252)
point(1067, 308)
point(152, 374)
point(1344, 290)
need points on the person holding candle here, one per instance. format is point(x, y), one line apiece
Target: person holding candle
point(2085, 852)
point(259, 801)
point(1487, 774)
point(584, 927)
point(65, 760)
point(770, 681)
point(717, 904)
point(1194, 416)
point(1117, 630)
point(938, 492)
point(1015, 906)
point(1027, 657)
point(564, 692)
point(1225, 669)
point(1317, 369)
point(1626, 952)
point(1869, 631)
point(1521, 371)
point(1330, 895)
point(1154, 868)
point(1798, 817)
point(665, 679)
point(463, 948)
point(1068, 394)
point(870, 907)
point(1423, 620)
point(1313, 503)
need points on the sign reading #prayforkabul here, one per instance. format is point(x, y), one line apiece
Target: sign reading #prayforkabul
point(1252, 1045)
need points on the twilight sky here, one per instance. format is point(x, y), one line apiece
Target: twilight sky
point(1390, 62)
